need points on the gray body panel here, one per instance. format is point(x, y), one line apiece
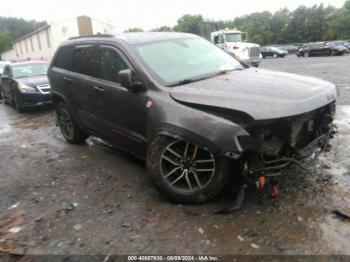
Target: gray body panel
point(262, 94)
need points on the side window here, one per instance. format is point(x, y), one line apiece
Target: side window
point(111, 63)
point(216, 39)
point(85, 60)
point(64, 58)
point(219, 39)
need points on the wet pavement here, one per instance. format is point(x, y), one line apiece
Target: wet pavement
point(57, 198)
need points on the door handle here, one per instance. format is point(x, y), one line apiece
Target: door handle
point(67, 79)
point(98, 89)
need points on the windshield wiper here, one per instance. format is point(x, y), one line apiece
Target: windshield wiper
point(191, 80)
point(187, 81)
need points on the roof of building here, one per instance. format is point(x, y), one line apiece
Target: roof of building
point(32, 33)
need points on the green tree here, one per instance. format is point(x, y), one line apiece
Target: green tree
point(338, 23)
point(278, 25)
point(257, 25)
point(17, 27)
point(134, 29)
point(163, 28)
point(190, 24)
point(4, 40)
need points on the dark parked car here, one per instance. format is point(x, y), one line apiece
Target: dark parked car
point(196, 114)
point(291, 49)
point(342, 43)
point(25, 84)
point(322, 49)
point(273, 52)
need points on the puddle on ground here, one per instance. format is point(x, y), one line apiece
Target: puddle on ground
point(336, 230)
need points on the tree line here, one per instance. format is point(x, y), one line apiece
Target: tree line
point(304, 24)
point(12, 28)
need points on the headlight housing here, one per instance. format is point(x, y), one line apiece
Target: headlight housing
point(26, 89)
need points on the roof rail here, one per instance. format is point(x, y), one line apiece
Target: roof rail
point(88, 36)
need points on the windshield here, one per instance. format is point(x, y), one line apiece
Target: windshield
point(233, 37)
point(2, 67)
point(174, 60)
point(30, 70)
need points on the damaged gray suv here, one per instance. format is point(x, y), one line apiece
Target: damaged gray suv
point(197, 115)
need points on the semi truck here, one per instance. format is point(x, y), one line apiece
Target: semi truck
point(234, 42)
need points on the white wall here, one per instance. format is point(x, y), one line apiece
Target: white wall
point(100, 27)
point(57, 33)
point(8, 55)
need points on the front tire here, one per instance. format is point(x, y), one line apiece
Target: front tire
point(275, 55)
point(17, 104)
point(184, 172)
point(333, 53)
point(68, 125)
point(306, 54)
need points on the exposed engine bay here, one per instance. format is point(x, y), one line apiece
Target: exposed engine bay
point(277, 143)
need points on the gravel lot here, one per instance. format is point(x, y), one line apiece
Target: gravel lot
point(57, 198)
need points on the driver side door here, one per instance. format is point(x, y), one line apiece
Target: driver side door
point(121, 114)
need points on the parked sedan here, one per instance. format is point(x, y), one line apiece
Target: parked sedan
point(273, 52)
point(25, 84)
point(322, 49)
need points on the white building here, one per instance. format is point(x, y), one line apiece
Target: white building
point(43, 42)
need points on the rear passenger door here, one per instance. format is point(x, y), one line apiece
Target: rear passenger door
point(72, 68)
point(121, 114)
point(85, 67)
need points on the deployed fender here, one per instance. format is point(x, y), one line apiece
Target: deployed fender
point(208, 131)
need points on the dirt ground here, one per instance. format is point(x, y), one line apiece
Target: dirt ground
point(57, 198)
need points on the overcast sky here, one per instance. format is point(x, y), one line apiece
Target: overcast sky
point(147, 14)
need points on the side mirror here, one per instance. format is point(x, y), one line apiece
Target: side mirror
point(5, 77)
point(127, 80)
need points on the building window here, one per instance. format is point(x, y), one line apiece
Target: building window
point(20, 47)
point(26, 46)
point(31, 43)
point(39, 43)
point(48, 38)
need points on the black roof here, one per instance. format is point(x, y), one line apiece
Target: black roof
point(137, 37)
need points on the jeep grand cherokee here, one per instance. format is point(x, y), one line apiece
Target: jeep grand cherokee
point(188, 108)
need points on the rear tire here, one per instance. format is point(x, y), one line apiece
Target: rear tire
point(275, 55)
point(169, 166)
point(68, 125)
point(333, 53)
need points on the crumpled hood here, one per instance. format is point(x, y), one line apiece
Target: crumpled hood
point(34, 81)
point(262, 94)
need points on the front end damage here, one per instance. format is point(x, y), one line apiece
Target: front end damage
point(274, 145)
